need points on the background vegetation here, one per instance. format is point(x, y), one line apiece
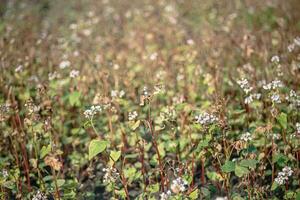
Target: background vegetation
point(152, 99)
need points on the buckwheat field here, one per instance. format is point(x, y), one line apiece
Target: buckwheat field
point(149, 100)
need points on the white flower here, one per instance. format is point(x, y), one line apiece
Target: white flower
point(86, 32)
point(178, 185)
point(297, 41)
point(121, 93)
point(39, 196)
point(248, 99)
point(89, 113)
point(284, 175)
point(244, 84)
point(74, 73)
point(114, 93)
point(19, 68)
point(251, 97)
point(165, 195)
point(291, 47)
point(206, 118)
point(246, 137)
point(153, 56)
point(53, 75)
point(132, 115)
point(287, 171)
point(4, 173)
point(298, 127)
point(221, 198)
point(110, 175)
point(190, 42)
point(275, 98)
point(64, 64)
point(275, 59)
point(273, 85)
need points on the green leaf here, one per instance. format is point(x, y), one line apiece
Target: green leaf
point(251, 163)
point(74, 98)
point(205, 192)
point(96, 146)
point(228, 167)
point(214, 176)
point(153, 188)
point(194, 194)
point(60, 182)
point(274, 186)
point(129, 172)
point(45, 150)
point(115, 155)
point(240, 171)
point(298, 195)
point(282, 119)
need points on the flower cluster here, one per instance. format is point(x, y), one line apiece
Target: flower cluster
point(179, 185)
point(246, 137)
point(284, 175)
point(295, 43)
point(165, 195)
point(53, 75)
point(116, 93)
point(89, 113)
point(275, 59)
point(298, 128)
point(293, 98)
point(110, 175)
point(4, 173)
point(132, 116)
point(64, 64)
point(39, 196)
point(168, 114)
point(275, 98)
point(206, 119)
point(251, 97)
point(74, 73)
point(273, 85)
point(244, 84)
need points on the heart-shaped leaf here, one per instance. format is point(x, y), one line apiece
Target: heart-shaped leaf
point(96, 146)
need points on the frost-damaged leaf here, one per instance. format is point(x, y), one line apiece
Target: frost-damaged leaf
point(115, 155)
point(240, 170)
point(282, 119)
point(96, 146)
point(228, 167)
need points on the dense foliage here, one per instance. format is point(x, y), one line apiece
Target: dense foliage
point(149, 99)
